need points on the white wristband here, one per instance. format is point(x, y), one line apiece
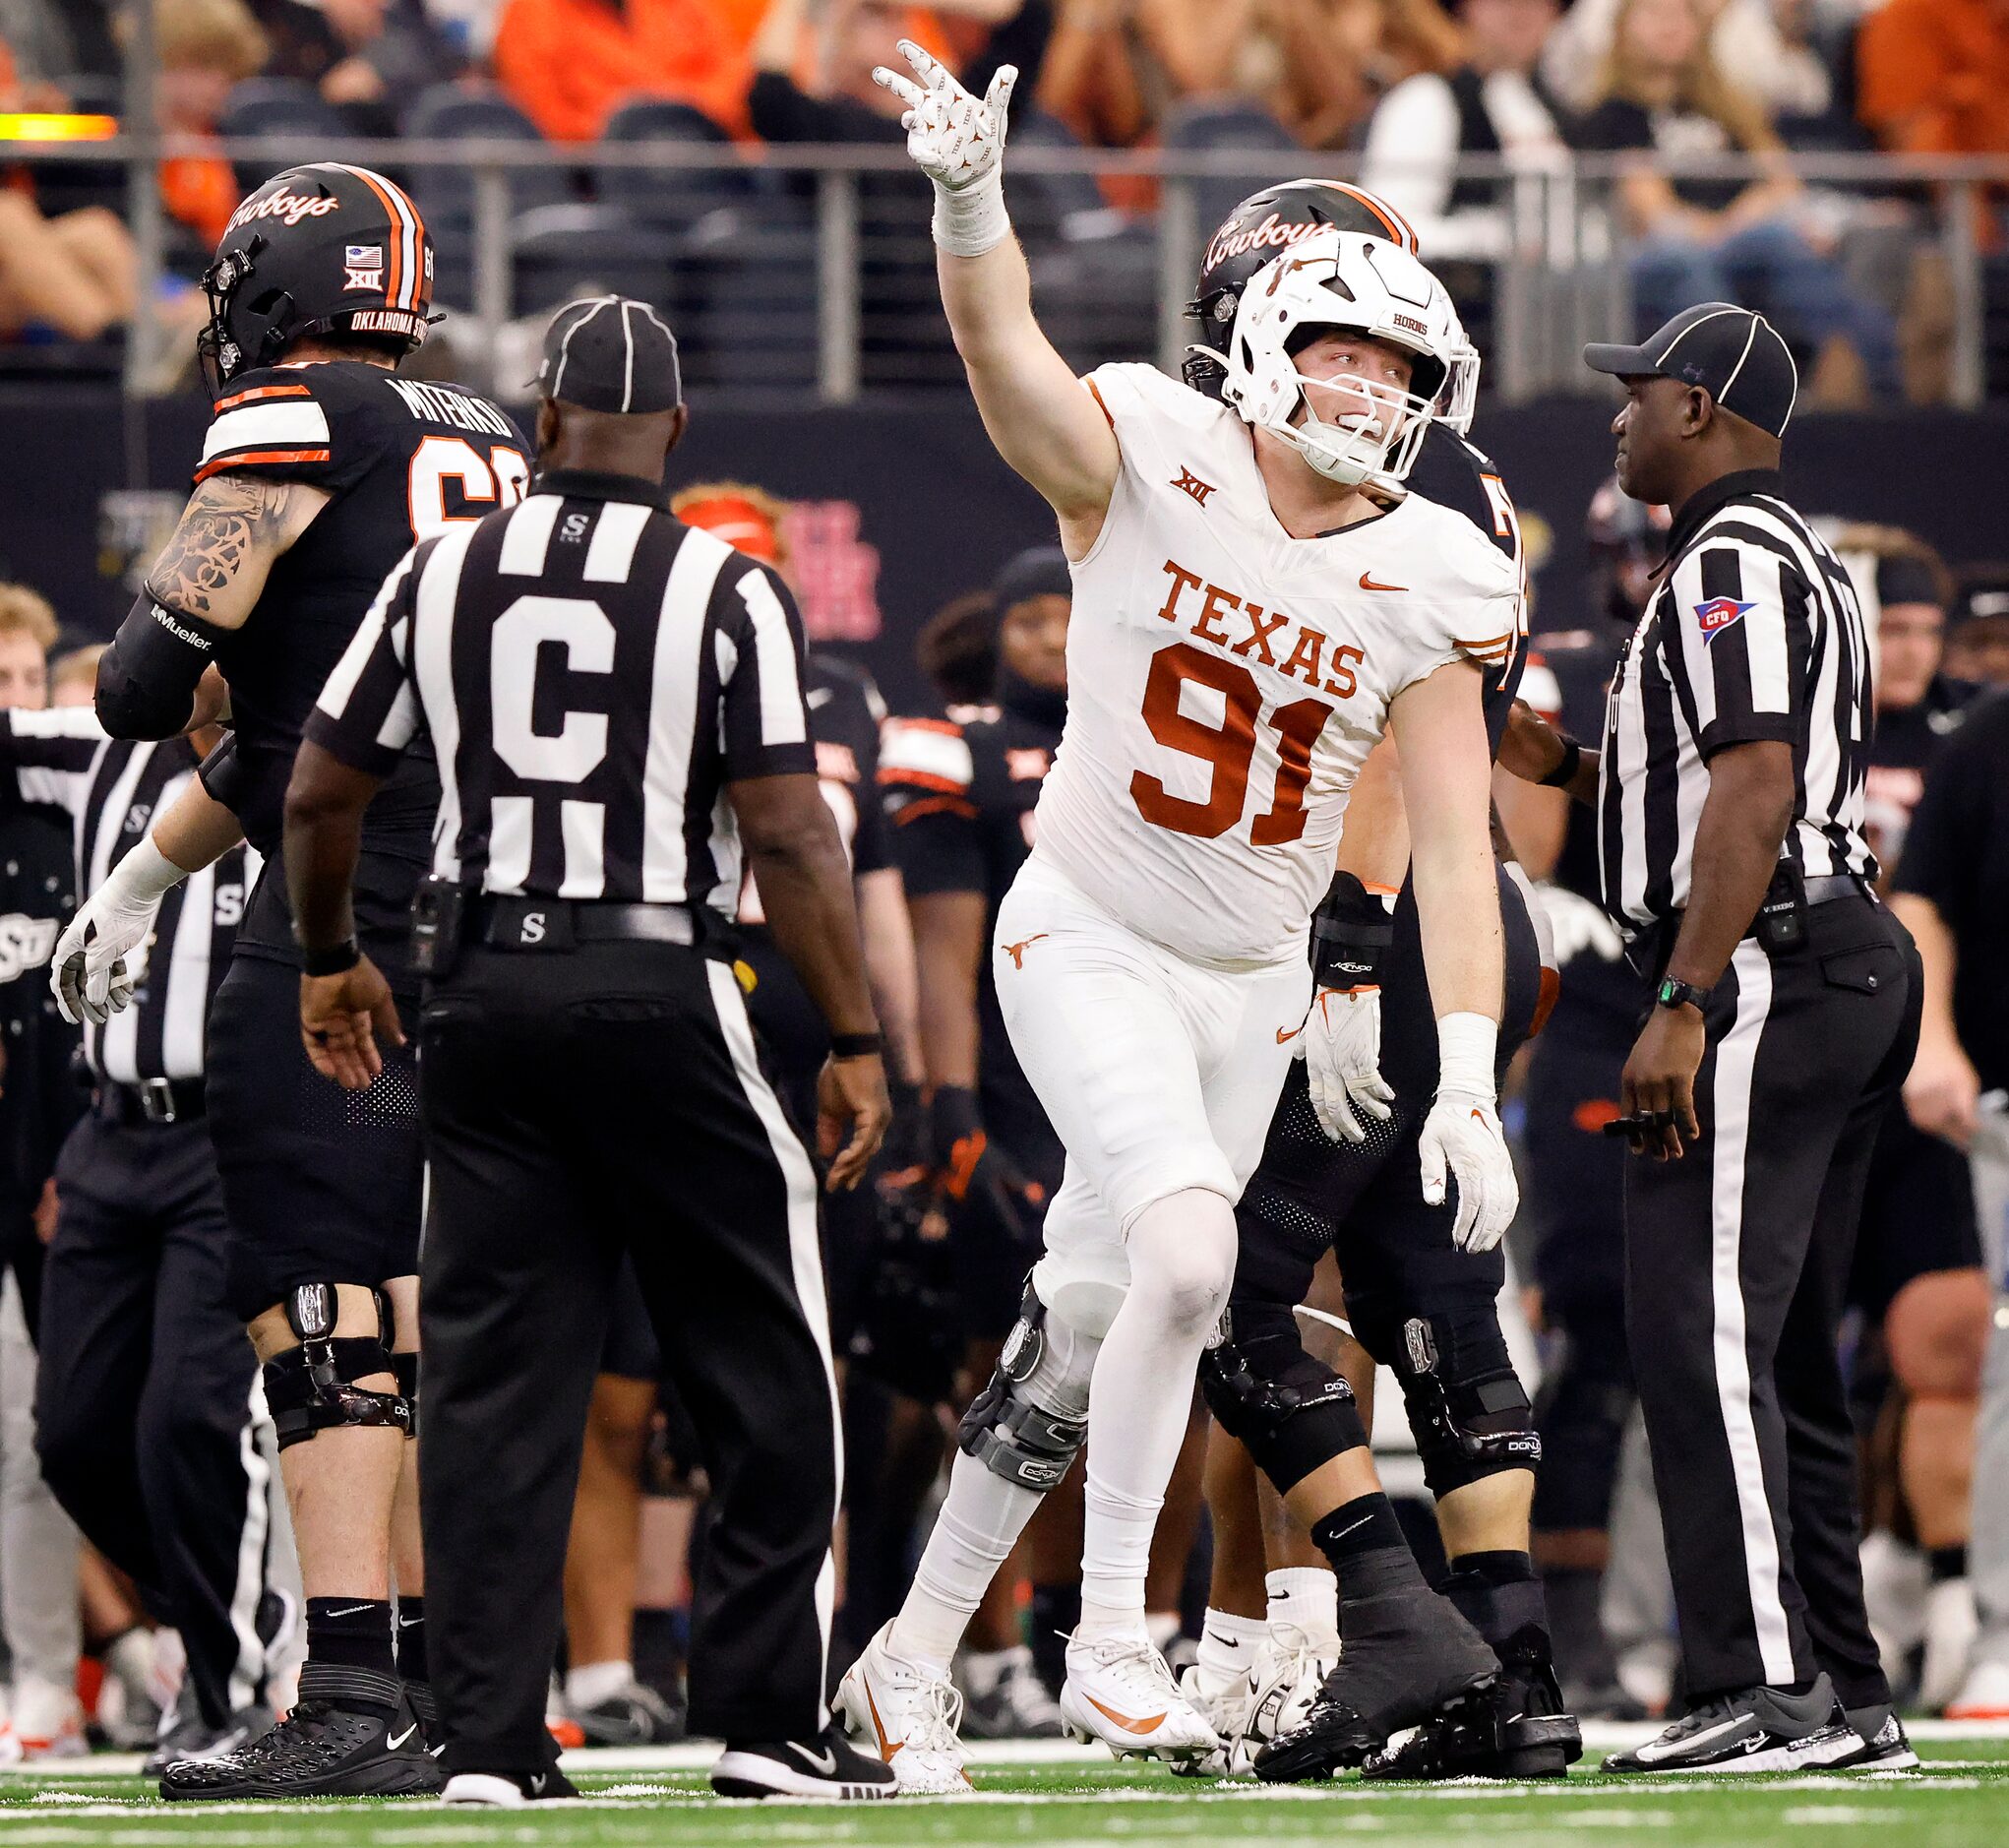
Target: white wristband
point(971, 220)
point(1467, 1044)
point(146, 874)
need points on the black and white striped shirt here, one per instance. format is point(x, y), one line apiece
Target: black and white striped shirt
point(1754, 634)
point(114, 789)
point(592, 672)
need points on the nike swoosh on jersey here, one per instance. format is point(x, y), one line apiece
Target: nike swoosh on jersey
point(1284, 1040)
point(1368, 584)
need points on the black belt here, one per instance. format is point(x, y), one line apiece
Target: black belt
point(547, 924)
point(152, 1100)
point(1652, 944)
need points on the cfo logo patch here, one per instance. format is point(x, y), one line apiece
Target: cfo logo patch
point(1717, 615)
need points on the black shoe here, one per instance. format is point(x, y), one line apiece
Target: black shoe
point(1883, 1744)
point(319, 1750)
point(425, 1707)
point(826, 1766)
point(1761, 1728)
point(1517, 1728)
point(188, 1735)
point(507, 1790)
point(633, 1715)
point(1403, 1657)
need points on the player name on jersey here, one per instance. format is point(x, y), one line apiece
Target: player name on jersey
point(439, 403)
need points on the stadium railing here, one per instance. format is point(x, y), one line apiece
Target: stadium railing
point(809, 269)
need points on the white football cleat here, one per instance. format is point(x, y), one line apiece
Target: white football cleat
point(909, 1717)
point(1986, 1696)
point(1952, 1624)
point(1225, 1710)
point(1289, 1671)
point(1119, 1691)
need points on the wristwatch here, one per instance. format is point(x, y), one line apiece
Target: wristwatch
point(1674, 993)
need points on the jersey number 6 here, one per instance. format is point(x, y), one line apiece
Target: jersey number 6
point(1229, 748)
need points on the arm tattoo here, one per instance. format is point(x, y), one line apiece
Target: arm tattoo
point(228, 519)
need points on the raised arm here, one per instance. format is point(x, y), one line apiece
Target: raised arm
point(1039, 417)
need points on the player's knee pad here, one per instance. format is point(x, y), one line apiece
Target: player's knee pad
point(1032, 1417)
point(1467, 1407)
point(1291, 1413)
point(312, 1387)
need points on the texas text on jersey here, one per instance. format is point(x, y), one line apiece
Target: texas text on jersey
point(402, 461)
point(961, 799)
point(1230, 680)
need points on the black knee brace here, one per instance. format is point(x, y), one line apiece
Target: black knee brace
point(406, 1367)
point(311, 1387)
point(1467, 1407)
point(1291, 1413)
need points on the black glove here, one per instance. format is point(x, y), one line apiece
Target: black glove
point(1350, 932)
point(965, 1157)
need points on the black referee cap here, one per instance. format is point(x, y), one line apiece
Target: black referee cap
point(1734, 354)
point(609, 353)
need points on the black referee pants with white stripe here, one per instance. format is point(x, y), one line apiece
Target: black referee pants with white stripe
point(1738, 1260)
point(144, 1392)
point(581, 1105)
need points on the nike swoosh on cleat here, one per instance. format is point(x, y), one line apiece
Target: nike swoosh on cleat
point(827, 1764)
point(397, 1739)
point(886, 1750)
point(539, 1782)
point(1692, 1741)
point(1140, 1727)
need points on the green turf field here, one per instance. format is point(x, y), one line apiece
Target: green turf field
point(1961, 1799)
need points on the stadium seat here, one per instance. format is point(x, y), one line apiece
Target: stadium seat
point(673, 197)
point(280, 106)
point(1218, 127)
point(445, 195)
point(559, 250)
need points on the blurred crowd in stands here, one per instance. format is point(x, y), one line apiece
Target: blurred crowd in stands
point(1403, 86)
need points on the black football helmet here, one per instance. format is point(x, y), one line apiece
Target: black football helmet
point(1264, 226)
point(317, 249)
point(1627, 540)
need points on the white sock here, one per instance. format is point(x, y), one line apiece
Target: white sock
point(978, 1525)
point(597, 1682)
point(1308, 1597)
point(1182, 1253)
point(1226, 1651)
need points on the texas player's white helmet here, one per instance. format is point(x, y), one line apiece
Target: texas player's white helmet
point(1341, 280)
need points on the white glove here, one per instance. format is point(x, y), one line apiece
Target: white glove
point(1341, 1046)
point(1462, 1138)
point(102, 954)
point(958, 142)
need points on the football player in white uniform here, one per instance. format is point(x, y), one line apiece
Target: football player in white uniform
point(1256, 601)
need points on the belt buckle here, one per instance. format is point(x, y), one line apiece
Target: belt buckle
point(157, 1099)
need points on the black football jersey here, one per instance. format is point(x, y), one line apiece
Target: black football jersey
point(401, 460)
point(960, 796)
point(1458, 475)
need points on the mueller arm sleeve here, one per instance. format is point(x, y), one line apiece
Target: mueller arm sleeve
point(147, 680)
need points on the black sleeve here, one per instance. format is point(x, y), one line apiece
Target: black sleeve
point(871, 849)
point(1940, 860)
point(324, 426)
point(765, 715)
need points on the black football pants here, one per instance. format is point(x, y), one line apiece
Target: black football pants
point(581, 1105)
point(1737, 1257)
point(144, 1392)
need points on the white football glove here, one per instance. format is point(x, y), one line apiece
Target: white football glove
point(1462, 1138)
point(958, 142)
point(102, 952)
point(1341, 1046)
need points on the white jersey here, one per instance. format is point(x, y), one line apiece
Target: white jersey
point(1226, 681)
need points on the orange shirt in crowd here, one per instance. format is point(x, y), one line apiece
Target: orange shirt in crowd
point(569, 64)
point(1932, 76)
point(199, 192)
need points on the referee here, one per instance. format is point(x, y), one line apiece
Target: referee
point(145, 1385)
point(1729, 795)
point(616, 703)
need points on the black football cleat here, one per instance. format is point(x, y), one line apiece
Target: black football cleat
point(1884, 1744)
point(1404, 1656)
point(321, 1748)
point(1761, 1728)
point(1517, 1728)
point(828, 1766)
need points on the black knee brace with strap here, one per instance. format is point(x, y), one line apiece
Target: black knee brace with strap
point(1292, 1413)
point(312, 1387)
